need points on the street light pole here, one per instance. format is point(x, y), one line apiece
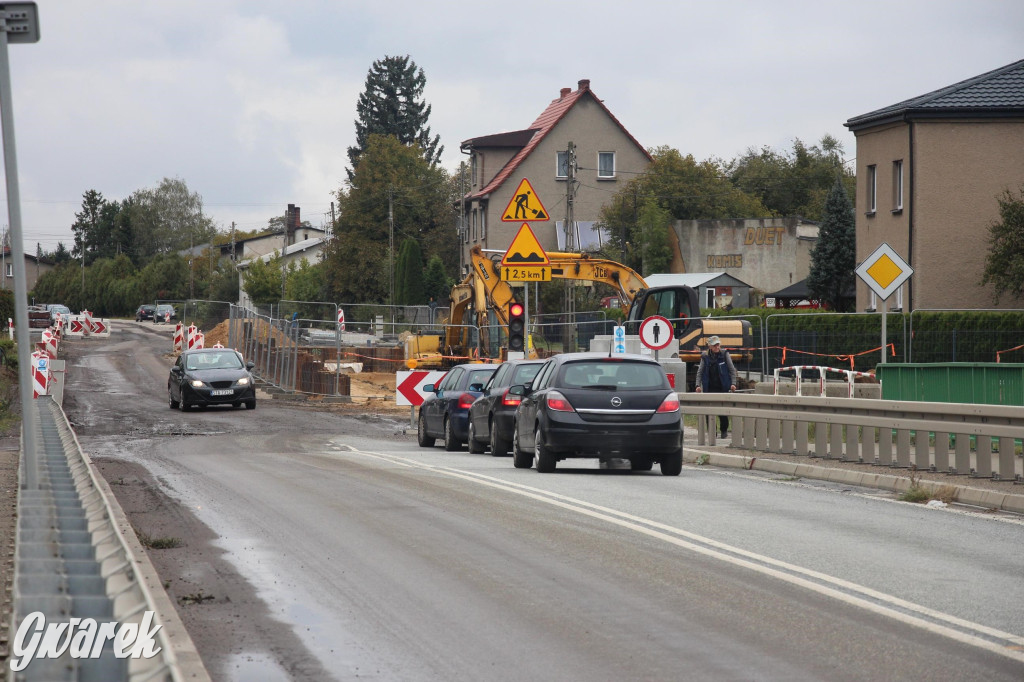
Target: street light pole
point(19, 23)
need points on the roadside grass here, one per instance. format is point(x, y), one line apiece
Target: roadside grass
point(919, 494)
point(149, 542)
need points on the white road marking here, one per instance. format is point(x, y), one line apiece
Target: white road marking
point(974, 634)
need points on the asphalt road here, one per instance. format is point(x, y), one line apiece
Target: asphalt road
point(355, 554)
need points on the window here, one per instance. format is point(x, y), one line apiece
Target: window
point(562, 164)
point(872, 187)
point(10, 270)
point(473, 167)
point(606, 164)
point(483, 224)
point(897, 186)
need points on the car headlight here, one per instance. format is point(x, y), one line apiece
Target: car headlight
point(196, 383)
point(244, 381)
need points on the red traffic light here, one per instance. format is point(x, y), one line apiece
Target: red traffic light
point(516, 309)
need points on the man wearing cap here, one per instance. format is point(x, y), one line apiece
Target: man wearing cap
point(716, 374)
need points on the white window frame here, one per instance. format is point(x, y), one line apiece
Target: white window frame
point(897, 185)
point(562, 161)
point(600, 173)
point(872, 189)
point(483, 225)
point(9, 270)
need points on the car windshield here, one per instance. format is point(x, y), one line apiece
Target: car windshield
point(613, 375)
point(164, 309)
point(213, 361)
point(62, 309)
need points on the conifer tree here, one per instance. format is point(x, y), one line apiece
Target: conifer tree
point(392, 104)
point(834, 258)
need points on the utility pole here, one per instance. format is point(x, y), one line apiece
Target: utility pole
point(570, 241)
point(391, 250)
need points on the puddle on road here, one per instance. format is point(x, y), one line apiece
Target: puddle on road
point(255, 667)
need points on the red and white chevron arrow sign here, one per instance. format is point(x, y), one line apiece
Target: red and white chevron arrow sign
point(409, 385)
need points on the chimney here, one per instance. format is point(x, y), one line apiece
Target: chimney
point(291, 224)
point(564, 92)
point(584, 84)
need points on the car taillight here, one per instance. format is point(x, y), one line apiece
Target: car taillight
point(465, 400)
point(557, 402)
point(510, 400)
point(669, 404)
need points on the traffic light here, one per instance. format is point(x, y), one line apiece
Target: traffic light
point(516, 327)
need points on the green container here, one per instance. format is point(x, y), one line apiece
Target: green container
point(989, 383)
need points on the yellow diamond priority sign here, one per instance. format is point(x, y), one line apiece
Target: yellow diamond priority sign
point(884, 271)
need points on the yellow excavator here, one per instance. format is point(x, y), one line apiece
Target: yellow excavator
point(479, 305)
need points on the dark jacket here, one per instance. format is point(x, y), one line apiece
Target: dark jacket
point(721, 363)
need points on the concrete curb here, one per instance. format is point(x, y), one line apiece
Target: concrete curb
point(988, 499)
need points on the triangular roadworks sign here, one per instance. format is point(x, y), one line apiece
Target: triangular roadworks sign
point(525, 205)
point(525, 250)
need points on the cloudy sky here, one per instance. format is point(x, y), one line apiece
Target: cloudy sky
point(252, 102)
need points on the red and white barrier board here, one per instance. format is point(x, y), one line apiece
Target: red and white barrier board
point(190, 336)
point(410, 385)
point(86, 322)
point(179, 338)
point(100, 327)
point(200, 340)
point(76, 325)
point(40, 373)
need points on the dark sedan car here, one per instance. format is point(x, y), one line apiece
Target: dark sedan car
point(211, 376)
point(492, 415)
point(144, 312)
point(445, 411)
point(164, 313)
point(591, 405)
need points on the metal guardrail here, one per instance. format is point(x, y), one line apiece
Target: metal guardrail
point(863, 430)
point(74, 559)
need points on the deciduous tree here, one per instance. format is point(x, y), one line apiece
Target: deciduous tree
point(1004, 267)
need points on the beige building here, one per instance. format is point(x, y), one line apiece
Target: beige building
point(929, 172)
point(767, 253)
point(606, 157)
point(34, 269)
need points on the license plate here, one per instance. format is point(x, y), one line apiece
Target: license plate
point(222, 391)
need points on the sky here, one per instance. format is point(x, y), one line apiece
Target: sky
point(252, 102)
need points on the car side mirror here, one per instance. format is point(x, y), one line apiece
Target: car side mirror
point(250, 365)
point(476, 387)
point(520, 390)
point(429, 388)
point(175, 370)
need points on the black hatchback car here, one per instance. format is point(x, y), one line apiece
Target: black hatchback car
point(145, 312)
point(445, 411)
point(211, 376)
point(595, 405)
point(492, 415)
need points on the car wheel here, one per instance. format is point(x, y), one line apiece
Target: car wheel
point(171, 401)
point(542, 457)
point(641, 464)
point(422, 438)
point(499, 447)
point(451, 444)
point(183, 405)
point(672, 464)
point(520, 459)
point(475, 446)
point(250, 404)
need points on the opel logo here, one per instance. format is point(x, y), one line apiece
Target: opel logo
point(616, 401)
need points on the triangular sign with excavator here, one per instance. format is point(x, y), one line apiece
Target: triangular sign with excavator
point(525, 205)
point(525, 250)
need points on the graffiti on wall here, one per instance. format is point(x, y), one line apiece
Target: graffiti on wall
point(731, 260)
point(764, 236)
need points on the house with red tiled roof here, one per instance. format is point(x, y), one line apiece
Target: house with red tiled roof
point(607, 156)
point(930, 171)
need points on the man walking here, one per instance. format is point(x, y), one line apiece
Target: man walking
point(716, 374)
